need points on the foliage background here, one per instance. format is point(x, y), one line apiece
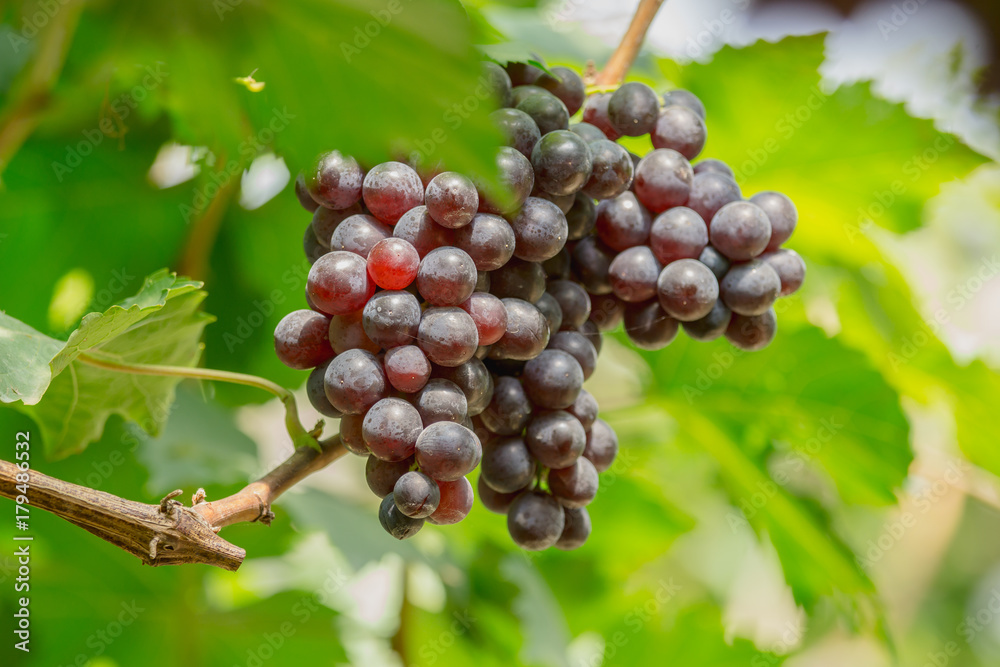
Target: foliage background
point(831, 500)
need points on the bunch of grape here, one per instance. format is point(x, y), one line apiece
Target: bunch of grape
point(450, 330)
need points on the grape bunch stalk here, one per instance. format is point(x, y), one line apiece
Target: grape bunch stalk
point(449, 330)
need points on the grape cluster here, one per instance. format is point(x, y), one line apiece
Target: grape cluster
point(449, 330)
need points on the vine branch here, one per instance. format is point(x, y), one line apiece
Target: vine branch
point(625, 54)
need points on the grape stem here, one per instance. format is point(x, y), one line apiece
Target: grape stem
point(300, 437)
point(623, 57)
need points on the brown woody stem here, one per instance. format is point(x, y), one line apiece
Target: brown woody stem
point(623, 57)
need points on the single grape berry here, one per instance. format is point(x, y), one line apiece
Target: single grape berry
point(352, 436)
point(520, 93)
point(416, 495)
point(740, 230)
point(752, 332)
point(562, 162)
point(518, 279)
point(451, 199)
point(581, 217)
point(334, 180)
point(509, 408)
point(687, 290)
point(633, 274)
point(595, 112)
point(633, 108)
point(392, 318)
point(519, 130)
point(751, 288)
point(576, 485)
point(302, 194)
point(456, 502)
point(612, 170)
point(548, 112)
point(578, 346)
point(474, 381)
point(316, 392)
point(556, 439)
point(446, 276)
point(681, 129)
point(591, 262)
point(497, 81)
point(441, 400)
point(516, 179)
point(301, 339)
point(535, 520)
point(710, 191)
point(407, 368)
point(391, 189)
point(550, 308)
point(576, 531)
point(715, 166)
point(338, 283)
point(587, 132)
point(714, 260)
point(711, 326)
point(495, 501)
point(780, 213)
point(347, 333)
point(602, 445)
point(390, 429)
point(789, 266)
point(573, 300)
point(507, 465)
point(447, 336)
point(489, 315)
point(312, 248)
point(678, 233)
point(623, 222)
point(359, 234)
point(584, 408)
point(392, 263)
point(663, 179)
point(540, 230)
point(684, 98)
point(565, 84)
point(488, 239)
point(590, 331)
point(395, 522)
point(325, 221)
point(417, 228)
point(648, 326)
point(552, 379)
point(447, 451)
point(527, 332)
point(355, 381)
point(383, 475)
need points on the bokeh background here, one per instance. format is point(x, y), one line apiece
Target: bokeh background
point(832, 500)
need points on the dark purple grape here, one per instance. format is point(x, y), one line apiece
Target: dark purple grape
point(553, 379)
point(518, 129)
point(301, 339)
point(359, 234)
point(623, 222)
point(577, 346)
point(663, 179)
point(751, 288)
point(395, 522)
point(497, 82)
point(789, 266)
point(715, 166)
point(548, 112)
point(507, 465)
point(348, 333)
point(595, 112)
point(633, 274)
point(441, 400)
point(576, 531)
point(518, 279)
point(509, 408)
point(474, 381)
point(648, 326)
point(456, 502)
point(446, 276)
point(448, 451)
point(325, 221)
point(612, 170)
point(355, 381)
point(558, 267)
point(316, 393)
point(522, 73)
point(451, 199)
point(710, 191)
point(516, 178)
point(390, 429)
point(383, 475)
point(574, 302)
point(565, 84)
point(492, 500)
point(587, 132)
point(551, 310)
point(780, 213)
point(715, 261)
point(711, 326)
point(752, 332)
point(740, 230)
point(312, 248)
point(447, 336)
point(602, 445)
point(584, 408)
point(556, 439)
point(576, 485)
point(417, 228)
point(527, 332)
point(302, 194)
point(489, 314)
point(339, 283)
point(678, 233)
point(540, 230)
point(562, 162)
point(684, 98)
point(392, 318)
point(591, 261)
point(407, 368)
point(687, 290)
point(681, 129)
point(590, 331)
point(391, 189)
point(581, 217)
point(353, 438)
point(633, 108)
point(535, 520)
point(334, 180)
point(606, 311)
point(416, 495)
point(520, 93)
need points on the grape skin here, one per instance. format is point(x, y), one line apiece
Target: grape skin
point(451, 199)
point(780, 213)
point(507, 465)
point(418, 228)
point(562, 162)
point(663, 179)
point(509, 409)
point(518, 128)
point(740, 230)
point(633, 109)
point(684, 98)
point(648, 326)
point(581, 217)
point(574, 486)
point(591, 261)
point(516, 179)
point(359, 234)
point(316, 393)
point(391, 189)
point(752, 332)
point(355, 381)
point(713, 165)
point(489, 315)
point(790, 268)
point(751, 288)
point(611, 172)
point(548, 112)
point(681, 129)
point(606, 311)
point(393, 263)
point(395, 522)
point(710, 191)
point(338, 283)
point(495, 501)
point(301, 341)
point(416, 495)
point(540, 230)
point(556, 439)
point(347, 333)
point(302, 194)
point(441, 400)
point(574, 302)
point(687, 290)
point(447, 336)
point(565, 84)
point(527, 332)
point(587, 132)
point(552, 379)
point(623, 222)
point(577, 346)
point(576, 530)
point(550, 308)
point(715, 261)
point(352, 437)
point(678, 233)
point(448, 451)
point(633, 274)
point(446, 276)
point(407, 368)
point(325, 221)
point(518, 279)
point(602, 445)
point(535, 520)
point(474, 381)
point(488, 239)
point(390, 429)
point(710, 326)
point(456, 501)
point(383, 475)
point(334, 180)
point(584, 408)
point(392, 318)
point(595, 112)
point(497, 81)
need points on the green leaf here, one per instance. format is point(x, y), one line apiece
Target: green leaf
point(72, 399)
point(24, 361)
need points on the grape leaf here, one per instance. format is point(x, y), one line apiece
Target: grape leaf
point(24, 361)
point(71, 399)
